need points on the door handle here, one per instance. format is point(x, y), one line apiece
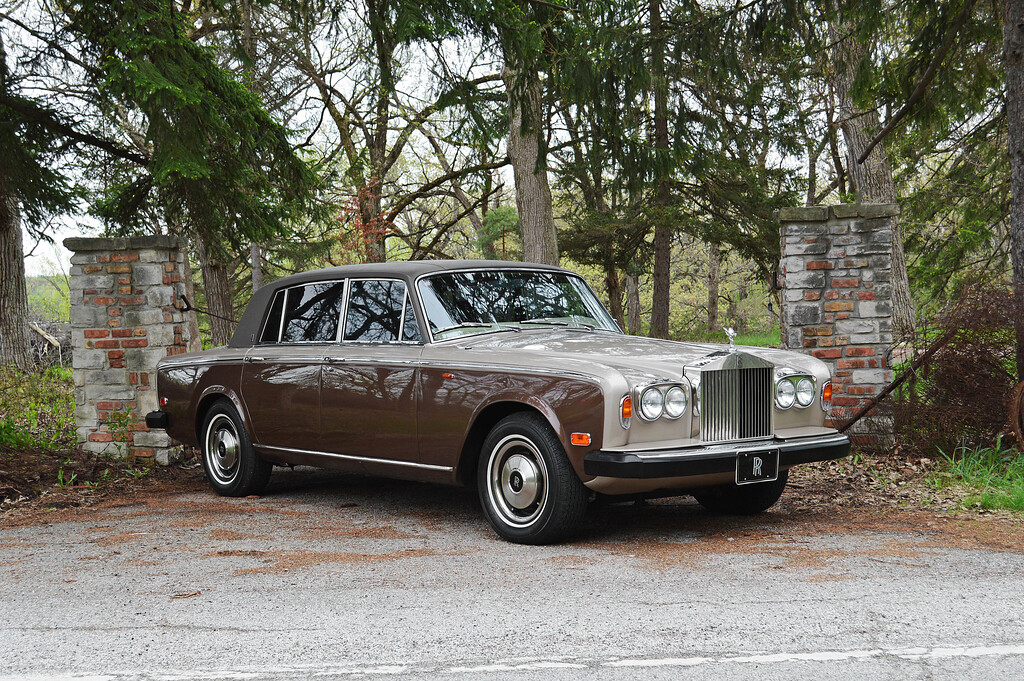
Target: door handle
point(250, 358)
point(333, 360)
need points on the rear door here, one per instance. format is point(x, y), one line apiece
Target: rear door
point(281, 374)
point(368, 396)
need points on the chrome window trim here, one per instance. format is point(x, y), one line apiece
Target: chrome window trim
point(464, 270)
point(361, 459)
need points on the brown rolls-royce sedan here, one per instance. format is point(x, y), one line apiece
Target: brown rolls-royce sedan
point(510, 376)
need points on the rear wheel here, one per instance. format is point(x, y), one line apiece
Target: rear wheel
point(742, 499)
point(529, 490)
point(231, 464)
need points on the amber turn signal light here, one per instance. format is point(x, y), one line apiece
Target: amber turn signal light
point(580, 439)
point(826, 396)
point(627, 408)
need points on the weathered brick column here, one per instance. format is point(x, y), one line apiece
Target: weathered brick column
point(125, 315)
point(836, 305)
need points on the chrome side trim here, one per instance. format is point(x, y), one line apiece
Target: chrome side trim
point(177, 364)
point(494, 367)
point(360, 459)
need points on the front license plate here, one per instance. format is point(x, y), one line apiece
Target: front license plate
point(761, 465)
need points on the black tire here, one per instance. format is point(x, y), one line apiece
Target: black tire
point(742, 499)
point(528, 488)
point(231, 464)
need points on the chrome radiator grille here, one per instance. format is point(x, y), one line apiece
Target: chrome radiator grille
point(736, 404)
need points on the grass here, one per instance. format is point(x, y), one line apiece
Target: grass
point(993, 476)
point(37, 409)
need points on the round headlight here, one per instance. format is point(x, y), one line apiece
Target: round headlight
point(652, 403)
point(804, 392)
point(785, 393)
point(675, 402)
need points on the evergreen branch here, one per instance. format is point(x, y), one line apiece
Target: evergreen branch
point(922, 85)
point(51, 121)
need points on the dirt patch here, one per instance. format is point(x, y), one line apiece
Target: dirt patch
point(355, 532)
point(289, 561)
point(84, 503)
point(230, 535)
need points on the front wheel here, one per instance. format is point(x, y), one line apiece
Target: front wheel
point(529, 490)
point(742, 499)
point(229, 460)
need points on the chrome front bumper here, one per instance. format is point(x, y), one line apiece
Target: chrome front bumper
point(712, 459)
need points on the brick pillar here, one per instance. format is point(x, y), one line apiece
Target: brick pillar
point(835, 268)
point(125, 315)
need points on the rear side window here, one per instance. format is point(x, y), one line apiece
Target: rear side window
point(311, 313)
point(374, 311)
point(272, 328)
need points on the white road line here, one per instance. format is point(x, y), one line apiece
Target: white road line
point(312, 671)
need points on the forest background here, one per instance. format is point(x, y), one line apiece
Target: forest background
point(647, 146)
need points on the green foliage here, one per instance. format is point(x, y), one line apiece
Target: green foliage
point(30, 150)
point(994, 476)
point(48, 297)
point(499, 238)
point(37, 410)
point(219, 164)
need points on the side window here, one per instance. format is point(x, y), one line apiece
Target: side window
point(374, 311)
point(272, 328)
point(410, 329)
point(311, 313)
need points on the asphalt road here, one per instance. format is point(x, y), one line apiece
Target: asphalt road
point(329, 576)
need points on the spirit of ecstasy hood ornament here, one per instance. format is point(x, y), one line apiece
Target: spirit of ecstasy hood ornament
point(732, 338)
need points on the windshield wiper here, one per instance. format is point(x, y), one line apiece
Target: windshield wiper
point(465, 325)
point(551, 321)
point(477, 325)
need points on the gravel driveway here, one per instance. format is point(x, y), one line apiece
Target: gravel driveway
point(332, 576)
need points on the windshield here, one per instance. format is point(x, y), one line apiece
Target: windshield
point(461, 303)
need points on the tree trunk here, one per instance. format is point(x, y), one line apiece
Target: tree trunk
point(195, 340)
point(633, 304)
point(812, 171)
point(1013, 53)
point(217, 286)
point(614, 286)
point(13, 295)
point(529, 167)
point(872, 180)
point(714, 279)
point(662, 234)
point(256, 258)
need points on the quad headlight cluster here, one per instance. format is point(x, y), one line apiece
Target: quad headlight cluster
point(790, 390)
point(668, 401)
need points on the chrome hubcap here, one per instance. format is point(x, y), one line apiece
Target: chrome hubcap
point(222, 448)
point(516, 475)
point(520, 481)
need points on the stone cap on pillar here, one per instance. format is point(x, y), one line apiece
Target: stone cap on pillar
point(839, 211)
point(155, 242)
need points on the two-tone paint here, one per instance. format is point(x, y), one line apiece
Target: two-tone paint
point(421, 410)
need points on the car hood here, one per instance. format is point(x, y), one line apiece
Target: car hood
point(592, 352)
